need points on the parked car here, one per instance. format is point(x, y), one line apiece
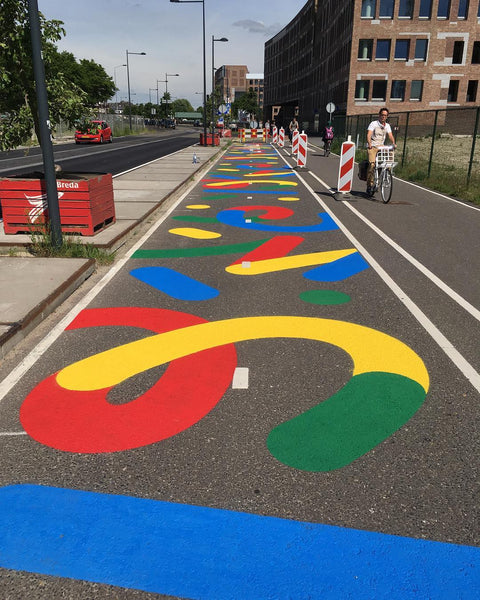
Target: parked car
point(94, 131)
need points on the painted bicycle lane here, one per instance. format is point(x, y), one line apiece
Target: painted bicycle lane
point(201, 552)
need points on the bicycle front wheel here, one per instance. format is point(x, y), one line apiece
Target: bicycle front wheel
point(386, 185)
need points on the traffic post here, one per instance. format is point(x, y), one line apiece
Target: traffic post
point(302, 150)
point(281, 137)
point(275, 135)
point(295, 135)
point(346, 168)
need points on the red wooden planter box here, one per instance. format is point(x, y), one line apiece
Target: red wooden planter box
point(85, 201)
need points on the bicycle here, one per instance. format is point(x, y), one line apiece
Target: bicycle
point(384, 164)
point(327, 144)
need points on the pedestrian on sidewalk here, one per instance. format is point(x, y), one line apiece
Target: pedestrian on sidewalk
point(377, 131)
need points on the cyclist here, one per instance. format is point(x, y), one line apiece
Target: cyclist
point(376, 133)
point(292, 127)
point(327, 136)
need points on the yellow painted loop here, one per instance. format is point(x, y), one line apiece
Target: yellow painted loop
point(272, 265)
point(289, 199)
point(198, 206)
point(370, 350)
point(193, 232)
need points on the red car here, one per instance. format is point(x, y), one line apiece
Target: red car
point(94, 131)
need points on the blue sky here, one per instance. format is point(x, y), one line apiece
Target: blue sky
point(171, 36)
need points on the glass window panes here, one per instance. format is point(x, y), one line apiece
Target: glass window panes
point(416, 89)
point(383, 50)
point(405, 8)
point(452, 90)
point(457, 57)
point(463, 9)
point(421, 46)
point(425, 10)
point(379, 89)
point(476, 53)
point(365, 49)
point(443, 11)
point(386, 9)
point(361, 90)
point(368, 9)
point(472, 89)
point(401, 49)
point(398, 89)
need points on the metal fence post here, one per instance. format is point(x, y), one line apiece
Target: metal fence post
point(474, 139)
point(433, 143)
point(405, 138)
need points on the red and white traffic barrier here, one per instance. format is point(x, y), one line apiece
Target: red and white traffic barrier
point(302, 150)
point(264, 135)
point(242, 135)
point(347, 164)
point(281, 137)
point(295, 135)
point(253, 134)
point(275, 135)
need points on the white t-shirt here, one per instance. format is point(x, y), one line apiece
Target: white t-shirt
point(379, 132)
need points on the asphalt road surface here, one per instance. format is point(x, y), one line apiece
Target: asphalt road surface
point(274, 396)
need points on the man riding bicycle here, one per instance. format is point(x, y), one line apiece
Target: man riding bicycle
point(376, 134)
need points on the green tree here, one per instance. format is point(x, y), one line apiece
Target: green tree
point(18, 102)
point(182, 105)
point(247, 102)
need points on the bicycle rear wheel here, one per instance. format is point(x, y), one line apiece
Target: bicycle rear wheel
point(326, 148)
point(386, 185)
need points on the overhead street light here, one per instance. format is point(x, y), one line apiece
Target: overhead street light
point(202, 2)
point(214, 39)
point(115, 80)
point(165, 81)
point(128, 83)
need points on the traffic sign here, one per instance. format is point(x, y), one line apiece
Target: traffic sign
point(331, 107)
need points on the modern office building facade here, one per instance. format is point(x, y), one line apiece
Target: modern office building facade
point(364, 54)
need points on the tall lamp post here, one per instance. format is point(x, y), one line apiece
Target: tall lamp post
point(205, 143)
point(115, 81)
point(214, 39)
point(165, 81)
point(128, 83)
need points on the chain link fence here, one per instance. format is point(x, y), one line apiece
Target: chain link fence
point(120, 125)
point(437, 145)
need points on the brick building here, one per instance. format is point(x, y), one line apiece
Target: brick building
point(363, 54)
point(232, 81)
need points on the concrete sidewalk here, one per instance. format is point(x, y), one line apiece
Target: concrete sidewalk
point(31, 288)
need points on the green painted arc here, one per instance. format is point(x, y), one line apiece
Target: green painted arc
point(243, 247)
point(361, 415)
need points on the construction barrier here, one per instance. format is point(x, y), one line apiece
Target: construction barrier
point(302, 150)
point(264, 135)
point(281, 137)
point(253, 134)
point(347, 164)
point(275, 135)
point(295, 135)
point(241, 135)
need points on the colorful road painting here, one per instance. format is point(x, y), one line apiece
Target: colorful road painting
point(204, 553)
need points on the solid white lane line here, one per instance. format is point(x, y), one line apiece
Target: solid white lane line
point(458, 360)
point(7, 433)
point(240, 378)
point(422, 268)
point(27, 363)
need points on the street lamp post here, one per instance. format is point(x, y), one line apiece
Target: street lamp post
point(128, 84)
point(115, 81)
point(165, 81)
point(214, 39)
point(205, 143)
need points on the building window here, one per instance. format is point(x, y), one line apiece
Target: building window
point(386, 9)
point(361, 90)
point(365, 49)
point(452, 91)
point(443, 11)
point(463, 9)
point(425, 11)
point(476, 53)
point(379, 89)
point(472, 91)
point(405, 9)
point(421, 47)
point(383, 50)
point(401, 49)
point(416, 90)
point(398, 89)
point(368, 9)
point(457, 57)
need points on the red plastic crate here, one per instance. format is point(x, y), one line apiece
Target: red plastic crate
point(85, 202)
